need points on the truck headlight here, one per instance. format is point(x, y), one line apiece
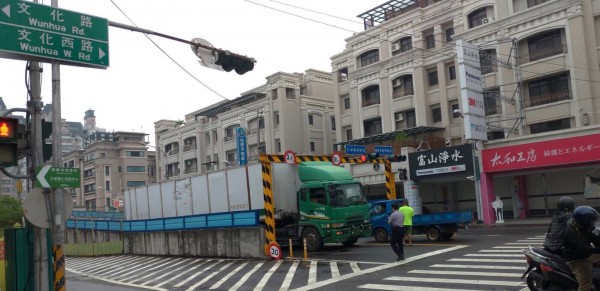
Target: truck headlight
point(325, 226)
point(337, 225)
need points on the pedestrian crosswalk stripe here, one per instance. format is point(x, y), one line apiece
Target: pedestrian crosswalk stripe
point(493, 255)
point(195, 274)
point(226, 277)
point(541, 241)
point(267, 276)
point(511, 247)
point(182, 273)
point(477, 267)
point(520, 243)
point(138, 268)
point(335, 272)
point(289, 277)
point(312, 273)
point(466, 273)
point(168, 272)
point(193, 287)
point(501, 251)
point(355, 267)
point(487, 260)
point(454, 281)
point(161, 270)
point(245, 277)
point(407, 288)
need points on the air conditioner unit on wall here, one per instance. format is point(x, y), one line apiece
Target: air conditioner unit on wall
point(395, 47)
point(397, 82)
point(487, 20)
point(399, 116)
point(188, 163)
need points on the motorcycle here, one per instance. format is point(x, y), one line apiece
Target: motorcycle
point(548, 271)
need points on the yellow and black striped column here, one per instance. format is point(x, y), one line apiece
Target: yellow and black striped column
point(390, 182)
point(267, 180)
point(59, 268)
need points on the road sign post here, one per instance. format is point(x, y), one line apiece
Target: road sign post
point(53, 177)
point(29, 29)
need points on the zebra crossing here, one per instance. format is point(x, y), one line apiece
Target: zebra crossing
point(499, 268)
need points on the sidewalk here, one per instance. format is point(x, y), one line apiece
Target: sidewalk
point(538, 221)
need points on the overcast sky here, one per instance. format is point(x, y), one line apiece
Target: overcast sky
point(142, 85)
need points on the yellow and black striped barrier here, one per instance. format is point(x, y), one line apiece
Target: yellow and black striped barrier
point(267, 180)
point(59, 268)
point(390, 182)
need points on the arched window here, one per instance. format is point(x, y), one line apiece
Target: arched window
point(370, 96)
point(368, 58)
point(402, 45)
point(476, 18)
point(402, 86)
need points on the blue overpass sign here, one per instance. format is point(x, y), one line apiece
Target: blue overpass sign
point(384, 150)
point(353, 149)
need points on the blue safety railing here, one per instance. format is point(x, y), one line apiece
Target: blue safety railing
point(217, 220)
point(98, 214)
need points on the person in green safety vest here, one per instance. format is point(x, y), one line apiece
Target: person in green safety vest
point(408, 216)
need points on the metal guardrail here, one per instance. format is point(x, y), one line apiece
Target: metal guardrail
point(98, 214)
point(217, 220)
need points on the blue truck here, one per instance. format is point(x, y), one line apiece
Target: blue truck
point(435, 226)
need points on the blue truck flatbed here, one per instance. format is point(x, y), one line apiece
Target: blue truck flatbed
point(435, 226)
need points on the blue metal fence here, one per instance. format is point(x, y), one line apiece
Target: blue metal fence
point(217, 220)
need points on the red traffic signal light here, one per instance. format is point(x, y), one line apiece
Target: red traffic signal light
point(8, 141)
point(8, 129)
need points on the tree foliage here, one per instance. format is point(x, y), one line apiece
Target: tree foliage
point(11, 211)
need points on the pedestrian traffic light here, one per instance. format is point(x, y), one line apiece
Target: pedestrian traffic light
point(230, 61)
point(397, 158)
point(46, 147)
point(369, 157)
point(402, 174)
point(8, 141)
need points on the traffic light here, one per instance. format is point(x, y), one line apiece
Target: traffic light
point(8, 141)
point(229, 61)
point(397, 158)
point(369, 157)
point(46, 147)
point(402, 174)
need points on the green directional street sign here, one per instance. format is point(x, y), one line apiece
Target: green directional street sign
point(53, 177)
point(50, 33)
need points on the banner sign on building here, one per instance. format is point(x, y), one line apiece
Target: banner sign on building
point(242, 147)
point(352, 149)
point(457, 160)
point(557, 152)
point(471, 85)
point(384, 150)
point(475, 127)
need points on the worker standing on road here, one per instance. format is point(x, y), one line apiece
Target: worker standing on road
point(396, 220)
point(408, 225)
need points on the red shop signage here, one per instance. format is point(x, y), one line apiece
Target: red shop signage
point(541, 154)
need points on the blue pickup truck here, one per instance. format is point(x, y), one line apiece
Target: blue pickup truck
point(435, 226)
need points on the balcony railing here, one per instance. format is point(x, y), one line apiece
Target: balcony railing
point(189, 147)
point(228, 138)
point(402, 93)
point(544, 53)
point(191, 169)
point(547, 98)
point(370, 101)
point(486, 69)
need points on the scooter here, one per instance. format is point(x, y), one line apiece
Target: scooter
point(548, 271)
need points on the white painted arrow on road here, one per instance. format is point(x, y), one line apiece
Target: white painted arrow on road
point(41, 176)
point(6, 10)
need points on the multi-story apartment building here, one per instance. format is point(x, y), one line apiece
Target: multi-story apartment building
point(399, 83)
point(292, 111)
point(110, 164)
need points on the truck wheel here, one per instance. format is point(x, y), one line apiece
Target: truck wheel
point(313, 239)
point(350, 242)
point(433, 234)
point(381, 235)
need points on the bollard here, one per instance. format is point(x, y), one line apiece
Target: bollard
point(291, 251)
point(305, 253)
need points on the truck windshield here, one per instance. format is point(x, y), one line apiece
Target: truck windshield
point(346, 194)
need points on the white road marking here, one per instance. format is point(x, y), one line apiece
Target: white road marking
point(511, 247)
point(521, 243)
point(312, 273)
point(335, 272)
point(532, 240)
point(502, 251)
point(182, 273)
point(455, 281)
point(162, 271)
point(477, 267)
point(226, 277)
point(159, 266)
point(124, 265)
point(89, 261)
point(114, 281)
point(487, 260)
point(267, 276)
point(193, 287)
point(196, 274)
point(288, 278)
point(466, 273)
point(246, 276)
point(379, 268)
point(137, 269)
point(408, 288)
point(495, 255)
point(101, 263)
point(355, 267)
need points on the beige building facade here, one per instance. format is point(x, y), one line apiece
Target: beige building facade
point(292, 111)
point(398, 83)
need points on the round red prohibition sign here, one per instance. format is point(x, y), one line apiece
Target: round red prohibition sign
point(275, 251)
point(289, 157)
point(336, 159)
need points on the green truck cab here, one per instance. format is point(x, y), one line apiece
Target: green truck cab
point(330, 208)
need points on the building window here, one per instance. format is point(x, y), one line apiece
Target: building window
point(274, 94)
point(332, 123)
point(449, 32)
point(432, 76)
point(346, 102)
point(107, 185)
point(545, 45)
point(487, 59)
point(310, 119)
point(119, 169)
point(207, 138)
point(230, 157)
point(531, 3)
point(230, 133)
point(276, 114)
point(491, 97)
point(133, 184)
point(452, 73)
point(368, 58)
point(454, 108)
point(106, 171)
point(278, 145)
point(411, 118)
point(89, 188)
point(139, 154)
point(290, 93)
point(349, 134)
point(102, 155)
point(136, 169)
point(430, 41)
point(476, 18)
point(436, 114)
point(373, 127)
point(189, 143)
point(370, 96)
point(343, 75)
point(402, 45)
point(549, 90)
point(312, 146)
point(550, 126)
point(302, 90)
point(402, 86)
point(215, 136)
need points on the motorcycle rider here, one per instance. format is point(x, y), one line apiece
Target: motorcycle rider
point(578, 251)
point(554, 238)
